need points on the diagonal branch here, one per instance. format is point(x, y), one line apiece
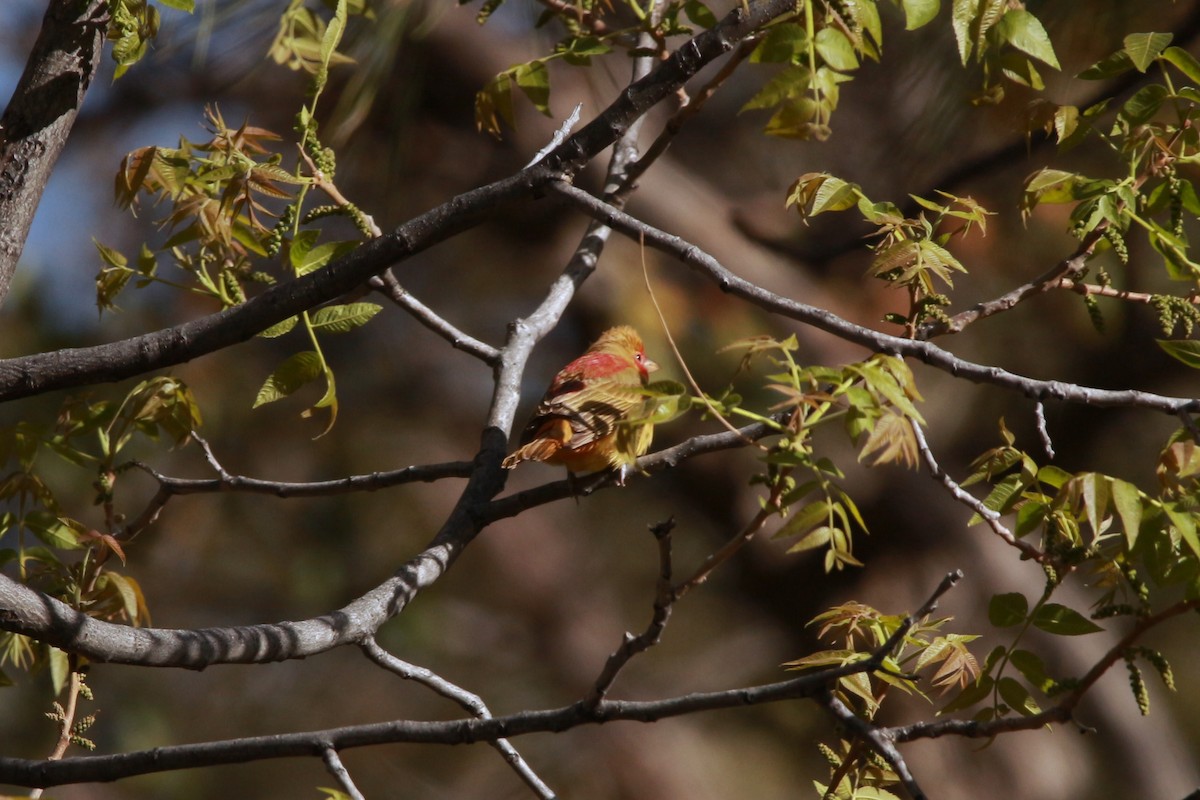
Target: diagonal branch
point(43, 372)
point(469, 701)
point(927, 352)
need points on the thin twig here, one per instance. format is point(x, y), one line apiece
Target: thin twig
point(469, 701)
point(560, 135)
point(1039, 416)
point(660, 461)
point(83, 769)
point(1119, 294)
point(338, 770)
point(633, 645)
point(686, 112)
point(227, 482)
point(666, 329)
point(960, 494)
point(66, 724)
point(927, 352)
point(769, 509)
point(388, 285)
point(875, 737)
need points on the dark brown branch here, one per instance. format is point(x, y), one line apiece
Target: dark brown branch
point(875, 738)
point(38, 119)
point(632, 645)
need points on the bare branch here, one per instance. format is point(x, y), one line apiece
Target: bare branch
point(633, 645)
point(875, 737)
point(333, 763)
point(770, 508)
point(819, 318)
point(43, 372)
point(960, 494)
point(84, 769)
point(1039, 415)
point(1069, 268)
point(390, 287)
point(423, 473)
point(560, 135)
point(469, 701)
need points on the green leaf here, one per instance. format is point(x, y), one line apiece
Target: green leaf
point(1144, 104)
point(1030, 666)
point(783, 44)
point(60, 667)
point(279, 328)
point(306, 260)
point(835, 49)
point(1183, 61)
point(51, 530)
point(1006, 610)
point(331, 39)
point(1063, 621)
point(802, 521)
point(788, 83)
point(1143, 48)
point(533, 79)
point(699, 14)
point(183, 5)
point(1128, 502)
point(970, 695)
point(919, 12)
point(343, 318)
point(963, 16)
point(1017, 697)
point(293, 373)
point(1186, 351)
point(1184, 523)
point(1023, 31)
point(1109, 67)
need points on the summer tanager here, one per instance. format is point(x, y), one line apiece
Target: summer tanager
point(591, 417)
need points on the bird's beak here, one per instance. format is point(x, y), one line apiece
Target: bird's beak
point(649, 365)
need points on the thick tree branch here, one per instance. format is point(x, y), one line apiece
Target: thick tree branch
point(85, 769)
point(35, 374)
point(819, 318)
point(39, 117)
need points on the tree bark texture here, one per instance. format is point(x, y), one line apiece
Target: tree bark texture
point(38, 118)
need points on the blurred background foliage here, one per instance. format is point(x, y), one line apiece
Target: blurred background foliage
point(534, 606)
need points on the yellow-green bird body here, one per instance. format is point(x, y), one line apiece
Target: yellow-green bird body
point(595, 415)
